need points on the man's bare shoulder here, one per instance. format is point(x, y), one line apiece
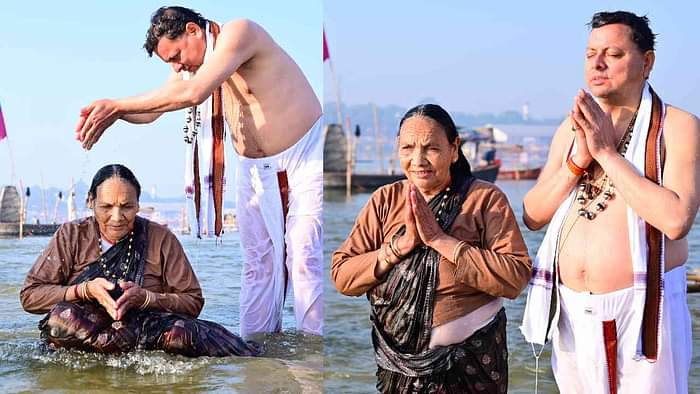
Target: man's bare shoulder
point(241, 31)
point(248, 40)
point(681, 135)
point(680, 124)
point(240, 25)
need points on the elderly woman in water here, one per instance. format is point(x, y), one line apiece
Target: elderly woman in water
point(434, 254)
point(114, 282)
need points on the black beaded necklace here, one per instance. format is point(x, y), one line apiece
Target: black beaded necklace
point(193, 123)
point(119, 272)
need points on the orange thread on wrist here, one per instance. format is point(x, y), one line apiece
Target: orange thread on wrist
point(574, 168)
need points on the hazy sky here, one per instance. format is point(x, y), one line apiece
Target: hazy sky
point(491, 56)
point(58, 57)
point(469, 56)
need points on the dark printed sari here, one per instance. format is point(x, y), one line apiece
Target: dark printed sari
point(402, 314)
point(87, 326)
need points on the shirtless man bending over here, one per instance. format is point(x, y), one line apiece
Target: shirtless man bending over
point(275, 122)
point(620, 193)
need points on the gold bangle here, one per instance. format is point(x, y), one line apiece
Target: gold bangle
point(88, 295)
point(394, 249)
point(387, 262)
point(457, 248)
point(146, 301)
point(386, 255)
point(82, 288)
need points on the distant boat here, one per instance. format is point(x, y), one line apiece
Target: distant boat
point(153, 214)
point(693, 280)
point(517, 175)
point(230, 222)
point(515, 158)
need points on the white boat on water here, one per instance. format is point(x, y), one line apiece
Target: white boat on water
point(230, 222)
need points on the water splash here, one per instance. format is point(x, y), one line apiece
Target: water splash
point(139, 362)
point(156, 363)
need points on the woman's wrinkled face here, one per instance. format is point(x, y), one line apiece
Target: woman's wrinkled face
point(426, 154)
point(115, 207)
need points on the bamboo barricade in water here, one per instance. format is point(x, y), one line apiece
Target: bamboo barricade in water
point(693, 280)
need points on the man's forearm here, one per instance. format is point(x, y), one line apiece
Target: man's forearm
point(141, 118)
point(172, 96)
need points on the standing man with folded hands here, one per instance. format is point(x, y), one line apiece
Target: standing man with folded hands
point(620, 194)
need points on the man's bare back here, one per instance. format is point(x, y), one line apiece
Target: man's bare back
point(268, 102)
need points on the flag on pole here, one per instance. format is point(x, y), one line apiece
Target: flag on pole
point(326, 54)
point(3, 131)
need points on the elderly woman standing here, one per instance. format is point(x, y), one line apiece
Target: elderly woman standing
point(114, 282)
point(435, 254)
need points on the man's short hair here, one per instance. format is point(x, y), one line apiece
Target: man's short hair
point(170, 22)
point(641, 32)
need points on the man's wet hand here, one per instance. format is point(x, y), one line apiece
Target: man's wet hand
point(94, 120)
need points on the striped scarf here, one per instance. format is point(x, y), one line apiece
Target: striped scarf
point(209, 144)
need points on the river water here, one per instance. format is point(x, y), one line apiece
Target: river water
point(292, 364)
point(349, 358)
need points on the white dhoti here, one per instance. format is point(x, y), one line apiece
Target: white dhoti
point(581, 361)
point(279, 250)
